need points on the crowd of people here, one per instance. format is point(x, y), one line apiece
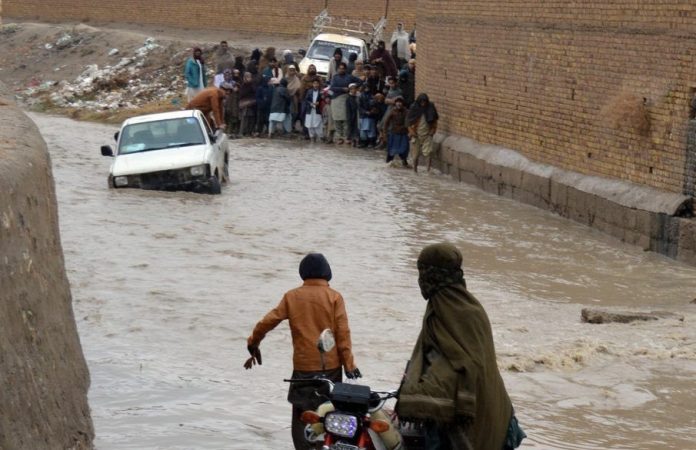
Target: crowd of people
point(367, 103)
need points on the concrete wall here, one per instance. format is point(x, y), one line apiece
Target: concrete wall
point(633, 213)
point(267, 16)
point(599, 87)
point(43, 374)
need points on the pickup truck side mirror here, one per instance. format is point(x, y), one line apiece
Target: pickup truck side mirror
point(106, 150)
point(116, 136)
point(213, 138)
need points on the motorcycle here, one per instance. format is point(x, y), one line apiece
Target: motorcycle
point(353, 417)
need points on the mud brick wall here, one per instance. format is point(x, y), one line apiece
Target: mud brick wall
point(292, 18)
point(600, 87)
point(43, 374)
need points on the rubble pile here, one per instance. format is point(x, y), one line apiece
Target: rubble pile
point(151, 73)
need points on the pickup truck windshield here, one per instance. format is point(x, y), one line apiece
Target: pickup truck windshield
point(161, 134)
point(324, 50)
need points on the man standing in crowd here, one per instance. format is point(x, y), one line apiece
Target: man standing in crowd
point(310, 308)
point(274, 72)
point(231, 107)
point(264, 96)
point(399, 45)
point(452, 386)
point(335, 61)
point(407, 81)
point(280, 108)
point(312, 107)
point(383, 60)
point(294, 89)
point(223, 58)
point(422, 125)
point(374, 81)
point(220, 78)
point(394, 127)
point(247, 105)
point(210, 102)
point(339, 88)
point(195, 73)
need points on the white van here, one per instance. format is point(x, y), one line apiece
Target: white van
point(322, 48)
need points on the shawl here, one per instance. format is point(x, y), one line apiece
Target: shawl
point(387, 63)
point(294, 85)
point(416, 111)
point(453, 378)
point(247, 91)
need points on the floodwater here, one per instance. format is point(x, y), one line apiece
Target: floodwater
point(167, 286)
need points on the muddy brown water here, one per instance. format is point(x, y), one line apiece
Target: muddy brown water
point(167, 286)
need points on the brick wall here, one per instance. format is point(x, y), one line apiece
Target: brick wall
point(269, 16)
point(600, 87)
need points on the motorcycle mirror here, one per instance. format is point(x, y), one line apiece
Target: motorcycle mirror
point(326, 341)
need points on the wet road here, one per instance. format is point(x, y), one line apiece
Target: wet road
point(167, 286)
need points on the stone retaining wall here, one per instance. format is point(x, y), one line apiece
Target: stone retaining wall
point(43, 374)
point(652, 219)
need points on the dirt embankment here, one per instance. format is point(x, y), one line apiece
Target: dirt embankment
point(43, 376)
point(109, 73)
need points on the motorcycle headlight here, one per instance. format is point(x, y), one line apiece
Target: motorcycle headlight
point(198, 171)
point(343, 425)
point(120, 181)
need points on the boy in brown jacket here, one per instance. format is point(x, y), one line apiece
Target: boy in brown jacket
point(310, 309)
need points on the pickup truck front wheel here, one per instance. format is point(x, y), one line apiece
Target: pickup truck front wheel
point(214, 185)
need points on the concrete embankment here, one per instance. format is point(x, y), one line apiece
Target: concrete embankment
point(655, 220)
point(43, 373)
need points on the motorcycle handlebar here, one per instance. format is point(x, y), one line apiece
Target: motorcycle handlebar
point(379, 397)
point(310, 380)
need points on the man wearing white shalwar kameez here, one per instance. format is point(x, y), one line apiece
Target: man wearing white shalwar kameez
point(313, 118)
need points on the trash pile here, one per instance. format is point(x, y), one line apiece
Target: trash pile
point(151, 73)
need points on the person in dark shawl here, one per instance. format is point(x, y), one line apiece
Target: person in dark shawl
point(247, 105)
point(452, 385)
point(421, 121)
point(239, 64)
point(384, 61)
point(352, 115)
point(231, 108)
point(264, 95)
point(374, 81)
point(253, 68)
point(255, 55)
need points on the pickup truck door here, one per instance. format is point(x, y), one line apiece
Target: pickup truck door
point(217, 159)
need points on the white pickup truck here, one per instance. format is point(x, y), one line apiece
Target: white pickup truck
point(351, 36)
point(168, 151)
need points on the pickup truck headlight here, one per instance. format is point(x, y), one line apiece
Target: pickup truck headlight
point(120, 181)
point(198, 171)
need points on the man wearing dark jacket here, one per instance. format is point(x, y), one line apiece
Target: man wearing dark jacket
point(280, 107)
